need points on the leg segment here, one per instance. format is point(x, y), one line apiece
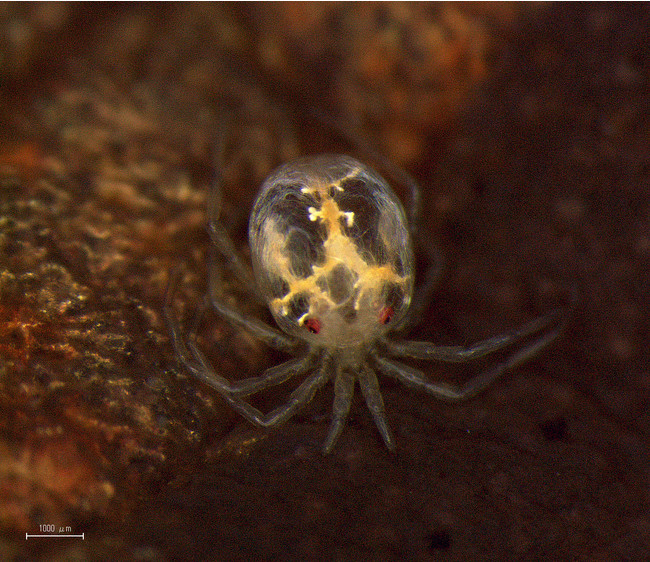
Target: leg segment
point(415, 378)
point(231, 393)
point(270, 336)
point(298, 398)
point(226, 248)
point(273, 376)
point(424, 291)
point(222, 242)
point(195, 361)
point(343, 391)
point(190, 355)
point(458, 354)
point(370, 390)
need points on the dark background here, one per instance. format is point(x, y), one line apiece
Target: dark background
point(527, 126)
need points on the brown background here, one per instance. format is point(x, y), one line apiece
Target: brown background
point(527, 126)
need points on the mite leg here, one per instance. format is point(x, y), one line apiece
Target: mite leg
point(371, 393)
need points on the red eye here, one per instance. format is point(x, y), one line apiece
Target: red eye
point(385, 314)
point(313, 325)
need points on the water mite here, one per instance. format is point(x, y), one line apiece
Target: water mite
point(333, 259)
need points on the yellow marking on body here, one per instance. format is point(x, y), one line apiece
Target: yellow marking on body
point(339, 249)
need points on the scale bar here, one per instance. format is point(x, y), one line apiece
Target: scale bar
point(81, 536)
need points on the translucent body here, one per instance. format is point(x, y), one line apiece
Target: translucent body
point(332, 255)
point(331, 251)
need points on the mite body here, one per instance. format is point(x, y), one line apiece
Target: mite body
point(332, 254)
point(333, 259)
